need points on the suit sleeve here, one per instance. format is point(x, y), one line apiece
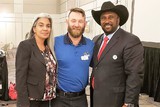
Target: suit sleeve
point(22, 63)
point(134, 69)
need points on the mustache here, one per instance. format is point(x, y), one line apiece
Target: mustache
point(76, 28)
point(106, 24)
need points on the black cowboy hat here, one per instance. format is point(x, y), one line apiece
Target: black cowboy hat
point(120, 10)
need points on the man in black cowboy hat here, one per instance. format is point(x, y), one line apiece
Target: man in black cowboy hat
point(117, 67)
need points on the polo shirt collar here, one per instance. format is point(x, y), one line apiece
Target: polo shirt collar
point(67, 40)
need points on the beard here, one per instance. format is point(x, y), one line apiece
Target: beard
point(107, 32)
point(75, 32)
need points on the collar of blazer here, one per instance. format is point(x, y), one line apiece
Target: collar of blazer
point(37, 53)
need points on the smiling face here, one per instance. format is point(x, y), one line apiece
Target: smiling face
point(109, 22)
point(76, 24)
point(42, 28)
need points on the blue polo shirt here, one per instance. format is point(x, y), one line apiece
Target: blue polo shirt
point(73, 63)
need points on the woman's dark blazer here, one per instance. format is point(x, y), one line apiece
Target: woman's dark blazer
point(30, 72)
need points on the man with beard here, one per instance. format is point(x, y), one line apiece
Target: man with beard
point(73, 52)
point(117, 60)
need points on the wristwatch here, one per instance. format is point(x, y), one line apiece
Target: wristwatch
point(129, 105)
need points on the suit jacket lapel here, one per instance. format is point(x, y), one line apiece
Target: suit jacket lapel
point(37, 52)
point(110, 44)
point(96, 48)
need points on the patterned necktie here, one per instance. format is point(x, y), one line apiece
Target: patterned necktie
point(103, 46)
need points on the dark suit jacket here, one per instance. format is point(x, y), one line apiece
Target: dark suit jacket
point(119, 72)
point(30, 72)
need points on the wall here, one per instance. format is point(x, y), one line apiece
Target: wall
point(16, 23)
point(6, 5)
point(16, 17)
point(146, 20)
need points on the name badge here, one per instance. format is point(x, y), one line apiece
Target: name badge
point(85, 56)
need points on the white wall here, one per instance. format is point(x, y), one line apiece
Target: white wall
point(146, 20)
point(14, 26)
point(16, 18)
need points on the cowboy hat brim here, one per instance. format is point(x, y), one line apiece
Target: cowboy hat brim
point(120, 10)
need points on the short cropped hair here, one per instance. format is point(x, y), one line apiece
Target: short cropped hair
point(78, 10)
